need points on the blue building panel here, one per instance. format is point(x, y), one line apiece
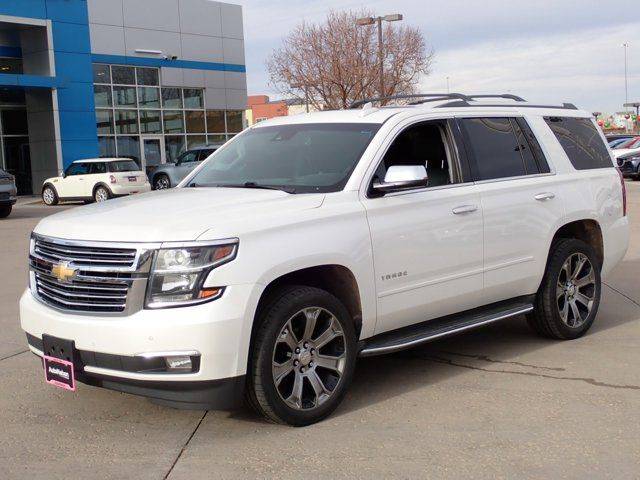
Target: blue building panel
point(24, 8)
point(66, 37)
point(73, 97)
point(70, 11)
point(78, 126)
point(75, 149)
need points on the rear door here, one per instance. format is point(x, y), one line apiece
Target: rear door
point(520, 199)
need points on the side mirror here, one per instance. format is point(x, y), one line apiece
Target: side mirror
point(402, 177)
point(63, 174)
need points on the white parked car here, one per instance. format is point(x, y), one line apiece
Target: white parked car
point(96, 179)
point(309, 241)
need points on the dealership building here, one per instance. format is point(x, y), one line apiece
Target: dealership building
point(144, 79)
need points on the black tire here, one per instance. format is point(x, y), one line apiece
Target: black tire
point(50, 196)
point(547, 317)
point(262, 392)
point(161, 182)
point(5, 211)
point(101, 194)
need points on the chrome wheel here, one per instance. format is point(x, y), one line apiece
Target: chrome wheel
point(309, 358)
point(162, 182)
point(101, 195)
point(48, 196)
point(576, 290)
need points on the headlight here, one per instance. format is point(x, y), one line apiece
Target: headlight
point(178, 274)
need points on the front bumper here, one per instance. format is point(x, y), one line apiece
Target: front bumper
point(219, 331)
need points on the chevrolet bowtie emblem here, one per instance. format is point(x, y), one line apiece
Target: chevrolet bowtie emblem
point(63, 272)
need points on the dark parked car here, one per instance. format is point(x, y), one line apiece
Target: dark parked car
point(630, 165)
point(171, 174)
point(8, 193)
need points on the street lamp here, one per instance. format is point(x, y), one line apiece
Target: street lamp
point(626, 88)
point(396, 17)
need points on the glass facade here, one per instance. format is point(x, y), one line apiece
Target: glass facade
point(15, 155)
point(130, 102)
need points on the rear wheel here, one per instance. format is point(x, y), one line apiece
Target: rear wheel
point(49, 196)
point(5, 211)
point(303, 357)
point(161, 182)
point(569, 296)
point(102, 194)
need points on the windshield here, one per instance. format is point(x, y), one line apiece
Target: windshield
point(123, 166)
point(299, 158)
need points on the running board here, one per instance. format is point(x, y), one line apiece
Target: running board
point(414, 335)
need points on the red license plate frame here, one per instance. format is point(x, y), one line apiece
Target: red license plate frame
point(59, 373)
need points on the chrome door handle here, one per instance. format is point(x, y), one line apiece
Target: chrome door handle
point(464, 209)
point(541, 197)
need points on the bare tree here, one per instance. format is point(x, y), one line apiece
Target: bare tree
point(336, 62)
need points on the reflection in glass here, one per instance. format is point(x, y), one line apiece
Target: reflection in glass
point(104, 122)
point(173, 122)
point(126, 122)
point(150, 121)
point(194, 121)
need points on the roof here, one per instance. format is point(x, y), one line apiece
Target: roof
point(370, 114)
point(91, 160)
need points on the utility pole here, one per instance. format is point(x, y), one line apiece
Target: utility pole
point(396, 17)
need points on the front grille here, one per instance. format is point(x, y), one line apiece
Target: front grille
point(81, 295)
point(85, 256)
point(99, 277)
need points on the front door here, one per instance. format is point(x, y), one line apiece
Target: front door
point(153, 153)
point(427, 243)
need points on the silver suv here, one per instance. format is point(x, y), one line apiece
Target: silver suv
point(8, 192)
point(171, 174)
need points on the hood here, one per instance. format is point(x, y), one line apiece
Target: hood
point(181, 214)
point(619, 152)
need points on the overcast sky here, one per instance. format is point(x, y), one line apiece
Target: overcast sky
point(543, 50)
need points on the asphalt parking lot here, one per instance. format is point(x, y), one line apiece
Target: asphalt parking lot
point(494, 403)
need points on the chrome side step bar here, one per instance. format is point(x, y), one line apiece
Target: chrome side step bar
point(414, 335)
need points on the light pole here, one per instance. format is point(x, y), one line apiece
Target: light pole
point(396, 17)
point(626, 84)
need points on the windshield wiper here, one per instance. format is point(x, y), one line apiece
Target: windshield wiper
point(260, 186)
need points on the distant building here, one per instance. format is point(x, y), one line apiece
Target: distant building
point(260, 108)
point(298, 106)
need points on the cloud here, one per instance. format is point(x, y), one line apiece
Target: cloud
point(546, 50)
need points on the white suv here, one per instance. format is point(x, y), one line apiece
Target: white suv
point(309, 241)
point(96, 179)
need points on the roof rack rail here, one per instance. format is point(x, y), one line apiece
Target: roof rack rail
point(462, 103)
point(500, 95)
point(432, 96)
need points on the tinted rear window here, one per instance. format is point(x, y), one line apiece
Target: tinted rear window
point(581, 142)
point(494, 149)
point(123, 166)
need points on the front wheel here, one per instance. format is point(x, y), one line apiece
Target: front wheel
point(303, 357)
point(569, 296)
point(5, 211)
point(161, 182)
point(101, 194)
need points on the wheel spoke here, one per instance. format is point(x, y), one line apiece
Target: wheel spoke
point(578, 268)
point(280, 371)
point(318, 387)
point(566, 267)
point(564, 312)
point(288, 336)
point(559, 290)
point(577, 317)
point(332, 331)
point(311, 315)
point(332, 363)
point(583, 299)
point(296, 392)
point(587, 279)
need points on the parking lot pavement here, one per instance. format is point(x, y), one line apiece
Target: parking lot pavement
point(495, 403)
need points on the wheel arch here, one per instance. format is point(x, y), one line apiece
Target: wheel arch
point(100, 184)
point(587, 230)
point(49, 184)
point(336, 279)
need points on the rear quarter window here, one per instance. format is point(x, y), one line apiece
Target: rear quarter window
point(581, 142)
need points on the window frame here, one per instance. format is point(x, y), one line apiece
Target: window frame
point(511, 117)
point(458, 164)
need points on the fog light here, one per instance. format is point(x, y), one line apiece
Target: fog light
point(179, 363)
